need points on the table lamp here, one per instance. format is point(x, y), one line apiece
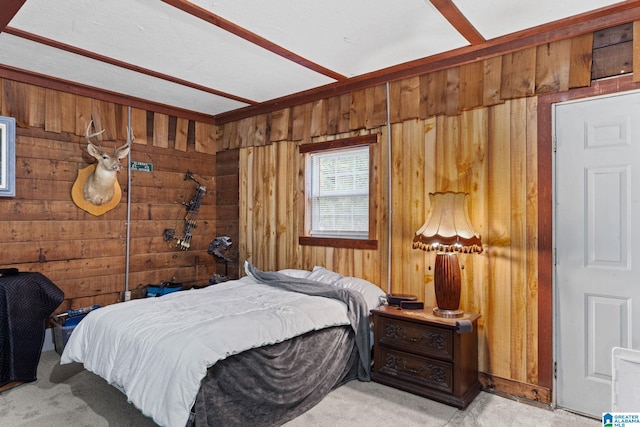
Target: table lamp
point(448, 231)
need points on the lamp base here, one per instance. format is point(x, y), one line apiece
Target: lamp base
point(448, 314)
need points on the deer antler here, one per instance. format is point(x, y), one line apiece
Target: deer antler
point(89, 136)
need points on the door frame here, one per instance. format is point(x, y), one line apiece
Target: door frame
point(546, 175)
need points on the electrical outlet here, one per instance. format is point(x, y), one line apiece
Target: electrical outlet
point(127, 295)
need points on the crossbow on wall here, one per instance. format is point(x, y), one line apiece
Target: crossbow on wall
point(192, 207)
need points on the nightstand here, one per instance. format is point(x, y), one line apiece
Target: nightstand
point(427, 355)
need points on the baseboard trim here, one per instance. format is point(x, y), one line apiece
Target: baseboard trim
point(515, 390)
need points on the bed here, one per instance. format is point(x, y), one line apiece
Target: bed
point(260, 350)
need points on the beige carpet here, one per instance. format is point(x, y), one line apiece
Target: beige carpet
point(68, 396)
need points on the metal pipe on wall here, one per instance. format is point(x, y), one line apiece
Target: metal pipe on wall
point(129, 141)
point(389, 204)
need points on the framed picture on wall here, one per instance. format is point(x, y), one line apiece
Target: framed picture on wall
point(7, 156)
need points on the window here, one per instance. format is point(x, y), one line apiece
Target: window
point(338, 188)
point(338, 193)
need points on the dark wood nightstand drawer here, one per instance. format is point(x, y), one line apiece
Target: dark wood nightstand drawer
point(416, 338)
point(425, 371)
point(426, 355)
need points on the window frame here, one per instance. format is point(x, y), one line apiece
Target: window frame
point(356, 243)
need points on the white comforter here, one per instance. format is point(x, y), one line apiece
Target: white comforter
point(157, 350)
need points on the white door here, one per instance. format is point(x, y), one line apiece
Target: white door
point(597, 238)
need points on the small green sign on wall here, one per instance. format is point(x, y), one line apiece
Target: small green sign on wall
point(142, 166)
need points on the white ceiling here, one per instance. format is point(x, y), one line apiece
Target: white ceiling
point(181, 54)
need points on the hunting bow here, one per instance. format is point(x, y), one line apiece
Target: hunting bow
point(192, 208)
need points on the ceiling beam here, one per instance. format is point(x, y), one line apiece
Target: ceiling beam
point(93, 55)
point(9, 9)
point(234, 29)
point(618, 14)
point(460, 22)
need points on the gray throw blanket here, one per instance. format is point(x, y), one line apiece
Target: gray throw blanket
point(356, 307)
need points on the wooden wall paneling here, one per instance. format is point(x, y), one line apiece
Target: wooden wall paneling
point(612, 60)
point(581, 60)
point(333, 114)
point(36, 106)
point(436, 93)
point(260, 246)
point(518, 74)
point(439, 152)
point(182, 131)
point(518, 238)
point(325, 256)
point(394, 102)
point(161, 130)
point(553, 62)
point(230, 139)
point(83, 114)
point(498, 316)
point(262, 191)
point(283, 205)
point(222, 137)
point(139, 126)
point(300, 118)
point(122, 121)
point(15, 102)
point(2, 96)
point(472, 176)
point(473, 163)
point(245, 243)
point(242, 133)
point(103, 114)
point(430, 131)
point(53, 111)
point(452, 96)
point(279, 129)
point(397, 207)
point(376, 106)
point(380, 257)
point(358, 268)
point(409, 99)
point(270, 202)
point(448, 172)
point(67, 112)
point(296, 202)
point(205, 138)
point(259, 130)
point(531, 247)
point(318, 118)
point(412, 206)
point(612, 51)
point(471, 85)
point(358, 110)
point(424, 96)
point(345, 113)
point(492, 81)
point(227, 208)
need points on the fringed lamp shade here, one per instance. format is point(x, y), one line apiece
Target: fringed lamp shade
point(448, 230)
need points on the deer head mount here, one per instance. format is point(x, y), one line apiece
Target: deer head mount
point(99, 187)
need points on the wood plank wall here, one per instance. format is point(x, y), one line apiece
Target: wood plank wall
point(85, 255)
point(471, 128)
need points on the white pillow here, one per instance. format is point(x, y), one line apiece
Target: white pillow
point(373, 295)
point(321, 274)
point(294, 272)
